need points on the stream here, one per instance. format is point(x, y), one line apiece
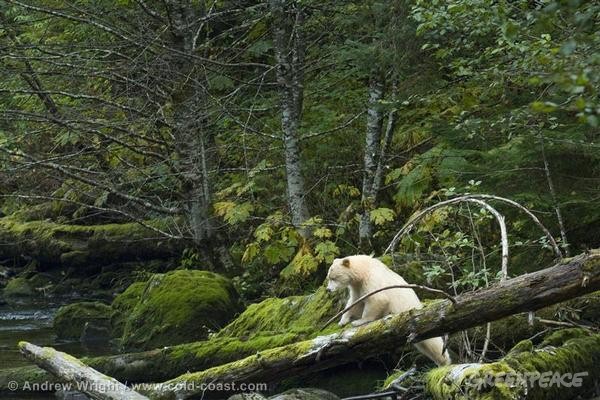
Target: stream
point(32, 321)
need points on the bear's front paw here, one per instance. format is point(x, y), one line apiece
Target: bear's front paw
point(359, 322)
point(344, 321)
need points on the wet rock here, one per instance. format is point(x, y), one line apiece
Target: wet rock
point(305, 394)
point(70, 395)
point(70, 321)
point(18, 287)
point(95, 331)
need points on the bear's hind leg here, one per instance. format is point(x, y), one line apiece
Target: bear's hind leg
point(432, 348)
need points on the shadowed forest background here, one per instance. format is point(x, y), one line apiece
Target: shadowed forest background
point(260, 140)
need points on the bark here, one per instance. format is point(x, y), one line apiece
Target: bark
point(568, 279)
point(289, 52)
point(371, 160)
point(82, 377)
point(191, 138)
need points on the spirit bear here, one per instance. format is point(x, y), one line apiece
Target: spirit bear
point(363, 274)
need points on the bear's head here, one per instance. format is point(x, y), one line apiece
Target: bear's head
point(339, 275)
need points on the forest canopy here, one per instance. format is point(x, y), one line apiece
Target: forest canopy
point(268, 138)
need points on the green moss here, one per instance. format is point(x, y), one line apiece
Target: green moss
point(456, 382)
point(575, 351)
point(18, 287)
point(54, 244)
point(70, 320)
point(557, 338)
point(297, 314)
point(123, 305)
point(176, 307)
point(523, 345)
point(505, 333)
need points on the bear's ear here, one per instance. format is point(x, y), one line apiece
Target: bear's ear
point(346, 263)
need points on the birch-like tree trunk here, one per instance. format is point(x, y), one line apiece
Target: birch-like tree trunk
point(288, 19)
point(371, 160)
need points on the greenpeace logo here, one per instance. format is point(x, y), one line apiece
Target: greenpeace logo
point(548, 379)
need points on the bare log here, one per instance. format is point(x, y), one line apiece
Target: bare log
point(568, 279)
point(84, 379)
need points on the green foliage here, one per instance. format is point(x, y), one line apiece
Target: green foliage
point(477, 86)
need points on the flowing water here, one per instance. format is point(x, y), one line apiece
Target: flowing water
point(32, 321)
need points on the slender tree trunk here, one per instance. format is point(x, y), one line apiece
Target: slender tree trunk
point(191, 137)
point(371, 160)
point(289, 53)
point(385, 145)
point(556, 206)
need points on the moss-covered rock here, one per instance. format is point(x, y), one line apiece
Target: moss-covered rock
point(70, 320)
point(18, 287)
point(123, 306)
point(176, 307)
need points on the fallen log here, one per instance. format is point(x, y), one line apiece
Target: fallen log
point(563, 366)
point(83, 378)
point(79, 246)
point(568, 279)
point(169, 362)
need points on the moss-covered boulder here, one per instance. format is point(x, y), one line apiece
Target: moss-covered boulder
point(70, 320)
point(123, 305)
point(177, 307)
point(18, 287)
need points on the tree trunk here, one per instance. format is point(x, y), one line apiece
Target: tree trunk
point(81, 377)
point(289, 53)
point(528, 292)
point(370, 160)
point(190, 135)
point(555, 204)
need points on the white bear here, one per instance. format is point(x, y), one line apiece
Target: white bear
point(363, 274)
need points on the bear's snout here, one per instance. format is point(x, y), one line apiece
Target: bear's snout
point(331, 286)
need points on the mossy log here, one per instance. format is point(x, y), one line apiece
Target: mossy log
point(59, 245)
point(563, 366)
point(568, 279)
point(82, 377)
